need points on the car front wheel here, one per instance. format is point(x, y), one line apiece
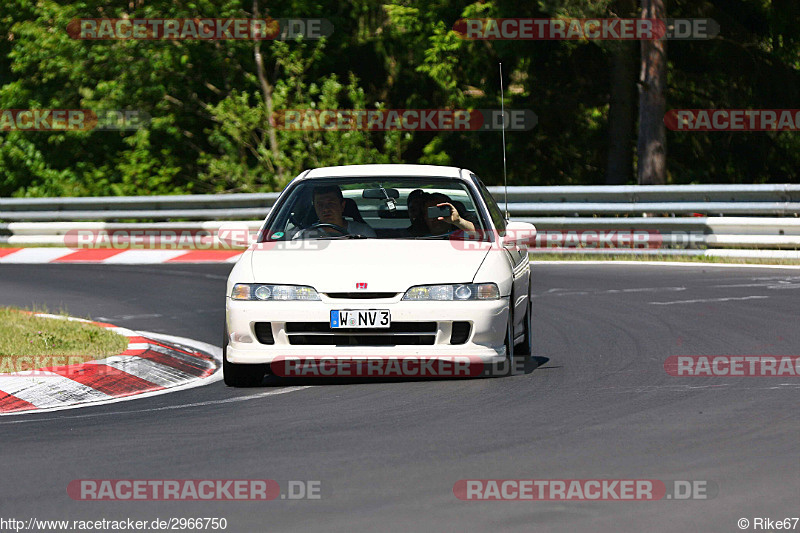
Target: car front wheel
point(525, 348)
point(506, 368)
point(237, 375)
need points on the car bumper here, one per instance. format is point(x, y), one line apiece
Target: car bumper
point(247, 333)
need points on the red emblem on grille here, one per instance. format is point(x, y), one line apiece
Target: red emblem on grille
point(361, 285)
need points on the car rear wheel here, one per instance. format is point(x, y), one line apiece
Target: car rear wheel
point(237, 375)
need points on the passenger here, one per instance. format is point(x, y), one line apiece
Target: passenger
point(416, 199)
point(447, 224)
point(329, 206)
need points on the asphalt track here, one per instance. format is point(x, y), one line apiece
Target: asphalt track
point(387, 454)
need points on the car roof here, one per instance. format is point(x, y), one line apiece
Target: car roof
point(366, 171)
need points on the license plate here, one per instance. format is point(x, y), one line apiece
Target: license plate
point(360, 318)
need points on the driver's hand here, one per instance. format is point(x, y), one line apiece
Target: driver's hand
point(455, 219)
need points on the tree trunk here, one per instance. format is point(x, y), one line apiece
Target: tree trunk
point(622, 113)
point(652, 145)
point(266, 91)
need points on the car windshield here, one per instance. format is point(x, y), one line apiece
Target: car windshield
point(382, 208)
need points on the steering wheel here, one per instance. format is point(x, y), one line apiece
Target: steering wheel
point(317, 225)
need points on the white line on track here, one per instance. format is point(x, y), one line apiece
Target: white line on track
point(710, 300)
point(129, 317)
point(568, 292)
point(167, 407)
point(779, 285)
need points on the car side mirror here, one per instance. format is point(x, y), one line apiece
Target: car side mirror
point(519, 234)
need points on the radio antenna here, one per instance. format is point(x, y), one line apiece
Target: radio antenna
point(503, 113)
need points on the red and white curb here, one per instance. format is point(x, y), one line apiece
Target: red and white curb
point(152, 364)
point(115, 256)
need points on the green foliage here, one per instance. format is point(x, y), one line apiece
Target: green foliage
point(211, 129)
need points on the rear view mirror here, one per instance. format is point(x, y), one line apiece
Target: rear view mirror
point(380, 194)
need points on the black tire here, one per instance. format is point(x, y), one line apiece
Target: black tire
point(525, 348)
point(506, 368)
point(236, 375)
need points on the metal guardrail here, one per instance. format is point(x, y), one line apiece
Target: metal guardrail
point(652, 193)
point(577, 209)
point(188, 207)
point(153, 203)
point(628, 200)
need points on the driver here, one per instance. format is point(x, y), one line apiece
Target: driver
point(329, 206)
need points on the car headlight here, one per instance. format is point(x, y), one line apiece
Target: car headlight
point(264, 292)
point(460, 291)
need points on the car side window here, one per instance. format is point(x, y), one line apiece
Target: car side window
point(494, 210)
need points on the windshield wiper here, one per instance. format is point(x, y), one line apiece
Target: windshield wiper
point(348, 236)
point(430, 237)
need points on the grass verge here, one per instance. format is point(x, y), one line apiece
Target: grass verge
point(22, 333)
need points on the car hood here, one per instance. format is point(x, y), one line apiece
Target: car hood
point(388, 265)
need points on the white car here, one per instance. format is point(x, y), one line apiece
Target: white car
point(344, 267)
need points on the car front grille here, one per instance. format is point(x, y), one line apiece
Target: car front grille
point(360, 295)
point(398, 334)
